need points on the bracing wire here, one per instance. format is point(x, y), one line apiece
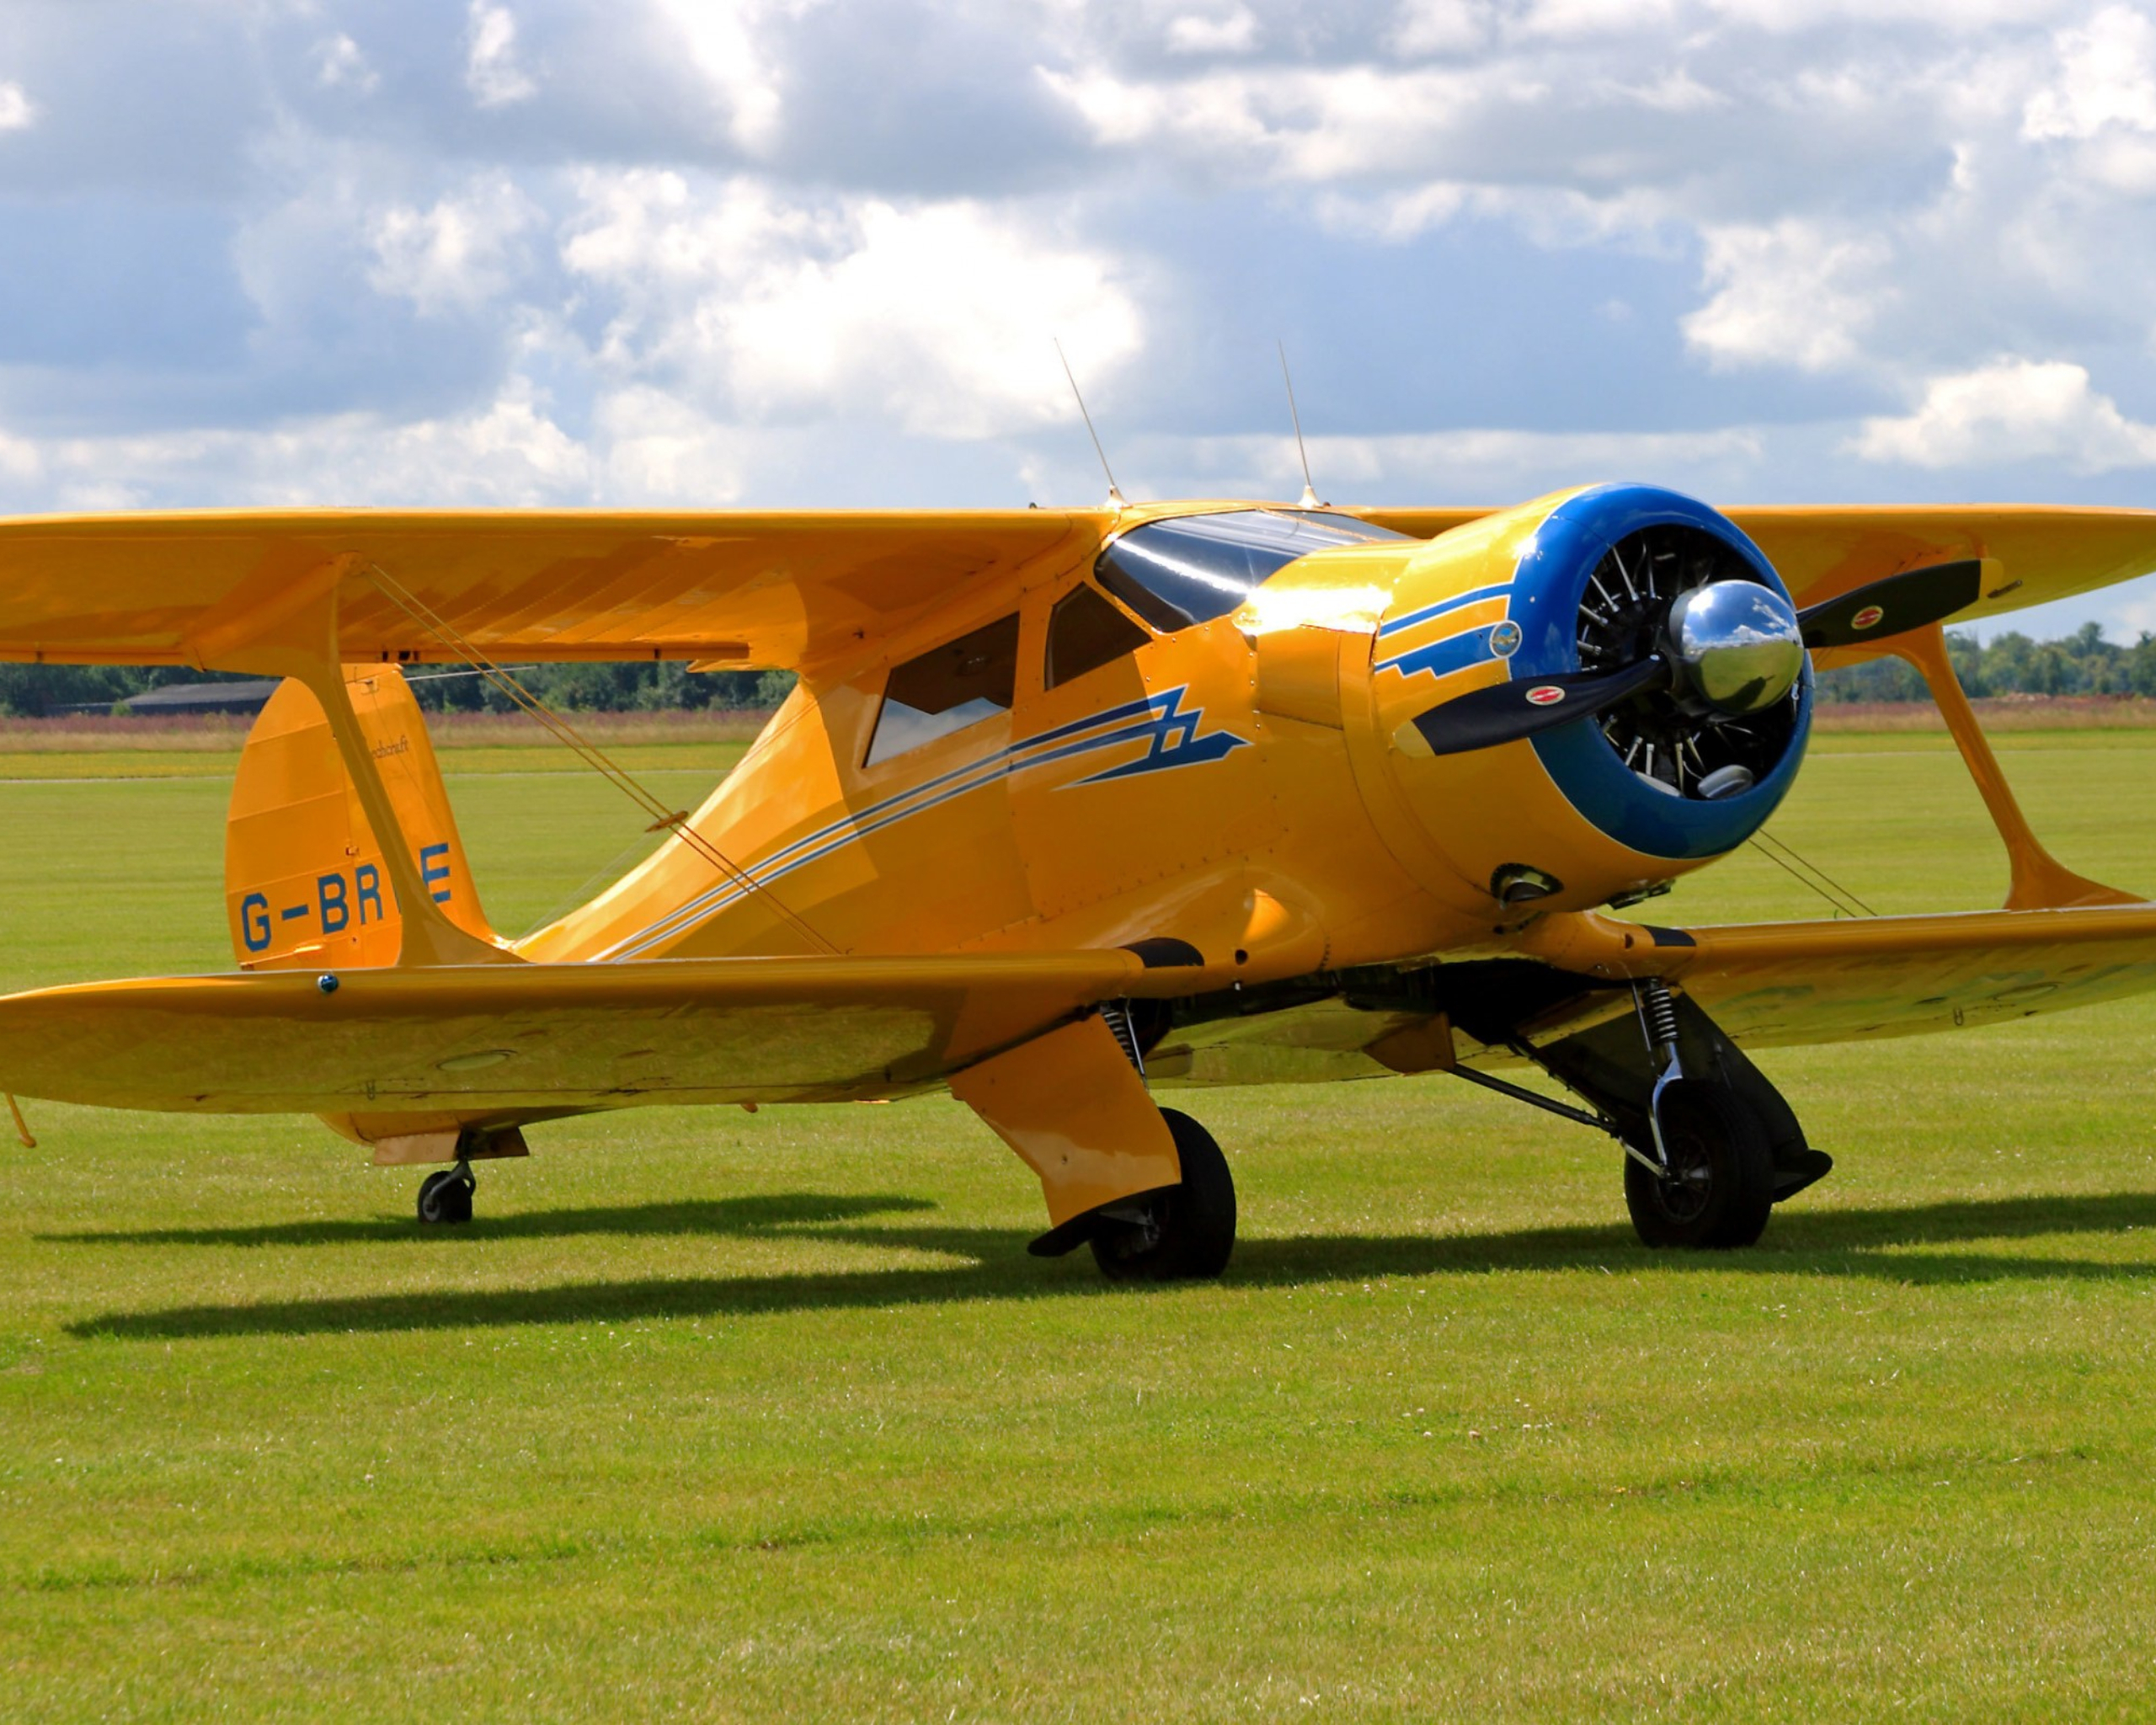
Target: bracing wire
point(1843, 902)
point(662, 818)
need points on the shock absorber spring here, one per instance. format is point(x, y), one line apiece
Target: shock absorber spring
point(1658, 1018)
point(1117, 1016)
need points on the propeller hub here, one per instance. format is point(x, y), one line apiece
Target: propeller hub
point(1736, 645)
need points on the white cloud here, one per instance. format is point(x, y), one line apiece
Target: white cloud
point(17, 111)
point(936, 316)
point(339, 64)
point(456, 254)
point(491, 73)
point(506, 453)
point(726, 40)
point(1565, 19)
point(1470, 465)
point(1793, 294)
point(1441, 26)
point(2106, 77)
point(1234, 31)
point(659, 450)
point(2013, 410)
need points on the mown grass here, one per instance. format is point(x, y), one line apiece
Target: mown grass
point(722, 1417)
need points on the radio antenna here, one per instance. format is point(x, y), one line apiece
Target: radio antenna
point(1309, 498)
point(1115, 495)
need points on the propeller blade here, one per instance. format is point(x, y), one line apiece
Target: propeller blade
point(1504, 712)
point(1893, 606)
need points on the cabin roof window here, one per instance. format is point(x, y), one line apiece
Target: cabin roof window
point(946, 689)
point(1192, 568)
point(1085, 632)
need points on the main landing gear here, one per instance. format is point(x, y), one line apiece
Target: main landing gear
point(1710, 1147)
point(1714, 1184)
point(1180, 1233)
point(445, 1194)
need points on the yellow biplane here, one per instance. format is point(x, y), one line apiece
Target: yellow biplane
point(1067, 807)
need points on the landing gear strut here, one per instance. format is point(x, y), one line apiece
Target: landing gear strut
point(1182, 1232)
point(445, 1194)
point(1710, 1146)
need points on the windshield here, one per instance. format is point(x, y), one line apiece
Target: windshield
point(1195, 568)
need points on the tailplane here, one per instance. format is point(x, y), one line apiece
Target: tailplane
point(304, 880)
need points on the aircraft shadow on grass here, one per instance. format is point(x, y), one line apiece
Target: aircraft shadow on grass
point(1825, 1243)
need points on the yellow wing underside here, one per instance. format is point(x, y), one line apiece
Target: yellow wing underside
point(771, 588)
point(752, 588)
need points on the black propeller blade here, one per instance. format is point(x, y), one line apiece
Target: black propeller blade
point(1504, 712)
point(1893, 606)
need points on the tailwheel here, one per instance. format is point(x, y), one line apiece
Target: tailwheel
point(445, 1195)
point(1182, 1233)
point(1720, 1185)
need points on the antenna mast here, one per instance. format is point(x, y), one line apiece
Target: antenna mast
point(1115, 496)
point(1310, 498)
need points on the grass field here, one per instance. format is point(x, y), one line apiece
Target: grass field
point(714, 1416)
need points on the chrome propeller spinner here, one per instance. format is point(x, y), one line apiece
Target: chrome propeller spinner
point(1737, 645)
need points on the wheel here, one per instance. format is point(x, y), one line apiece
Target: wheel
point(1184, 1232)
point(445, 1196)
point(1722, 1173)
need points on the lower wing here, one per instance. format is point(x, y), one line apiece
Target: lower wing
point(475, 1041)
point(1781, 983)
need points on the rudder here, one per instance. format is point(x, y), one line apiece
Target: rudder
point(304, 880)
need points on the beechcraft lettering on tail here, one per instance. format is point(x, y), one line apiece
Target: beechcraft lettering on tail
point(1070, 812)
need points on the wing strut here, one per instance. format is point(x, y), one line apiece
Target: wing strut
point(662, 818)
point(296, 636)
point(2039, 881)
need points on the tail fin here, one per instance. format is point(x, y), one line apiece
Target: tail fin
point(304, 882)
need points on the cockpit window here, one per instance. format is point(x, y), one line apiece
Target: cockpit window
point(946, 689)
point(1193, 568)
point(1085, 632)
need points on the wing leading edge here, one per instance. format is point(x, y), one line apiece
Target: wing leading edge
point(522, 1040)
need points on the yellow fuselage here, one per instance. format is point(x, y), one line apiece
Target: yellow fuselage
point(1265, 810)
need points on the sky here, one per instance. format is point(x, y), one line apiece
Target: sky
point(818, 252)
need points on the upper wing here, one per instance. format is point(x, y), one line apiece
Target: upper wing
point(775, 589)
point(1822, 553)
point(519, 1039)
point(1778, 982)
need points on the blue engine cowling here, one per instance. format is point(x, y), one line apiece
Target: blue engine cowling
point(1565, 590)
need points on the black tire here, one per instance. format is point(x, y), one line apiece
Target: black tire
point(445, 1196)
point(1188, 1231)
point(1724, 1186)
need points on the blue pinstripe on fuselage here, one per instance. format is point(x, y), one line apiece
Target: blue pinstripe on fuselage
point(1159, 721)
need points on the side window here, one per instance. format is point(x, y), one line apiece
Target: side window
point(1085, 632)
point(946, 689)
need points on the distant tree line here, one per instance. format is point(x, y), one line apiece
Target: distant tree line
point(2083, 664)
point(34, 691)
